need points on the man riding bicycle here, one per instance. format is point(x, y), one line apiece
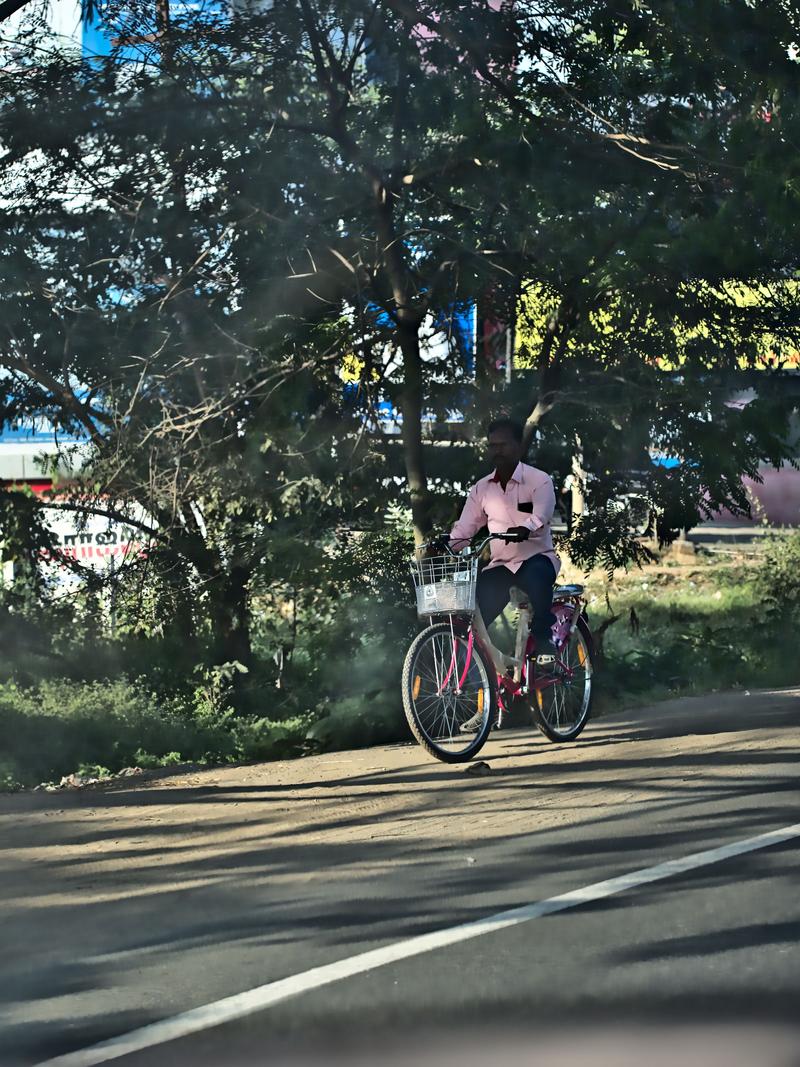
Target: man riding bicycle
point(516, 499)
point(456, 685)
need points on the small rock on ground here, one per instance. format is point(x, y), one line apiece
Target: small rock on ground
point(481, 767)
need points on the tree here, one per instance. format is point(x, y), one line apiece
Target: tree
point(137, 268)
point(663, 190)
point(193, 247)
point(196, 242)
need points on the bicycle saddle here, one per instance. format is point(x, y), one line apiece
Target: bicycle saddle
point(567, 590)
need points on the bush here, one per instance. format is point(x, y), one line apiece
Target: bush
point(58, 726)
point(265, 739)
point(98, 728)
point(340, 689)
point(779, 575)
point(347, 676)
point(328, 650)
point(46, 642)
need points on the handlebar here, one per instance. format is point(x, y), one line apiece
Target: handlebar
point(439, 542)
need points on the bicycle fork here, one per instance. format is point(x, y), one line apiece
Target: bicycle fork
point(454, 665)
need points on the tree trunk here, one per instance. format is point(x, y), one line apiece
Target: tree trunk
point(549, 365)
point(543, 403)
point(226, 587)
point(578, 481)
point(409, 320)
point(411, 406)
point(230, 617)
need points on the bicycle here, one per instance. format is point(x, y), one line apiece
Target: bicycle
point(453, 676)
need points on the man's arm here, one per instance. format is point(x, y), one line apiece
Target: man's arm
point(472, 518)
point(544, 504)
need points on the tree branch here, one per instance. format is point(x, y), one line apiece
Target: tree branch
point(63, 393)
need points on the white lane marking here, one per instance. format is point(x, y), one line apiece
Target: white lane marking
point(263, 996)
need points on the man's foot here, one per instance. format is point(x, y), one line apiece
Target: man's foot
point(545, 654)
point(471, 726)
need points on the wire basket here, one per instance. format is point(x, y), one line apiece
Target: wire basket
point(445, 584)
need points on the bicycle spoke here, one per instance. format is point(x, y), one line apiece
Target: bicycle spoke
point(441, 706)
point(564, 702)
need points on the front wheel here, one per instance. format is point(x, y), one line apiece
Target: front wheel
point(448, 684)
point(562, 700)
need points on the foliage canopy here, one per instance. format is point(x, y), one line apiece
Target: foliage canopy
point(203, 228)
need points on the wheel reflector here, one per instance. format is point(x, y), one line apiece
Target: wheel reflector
point(415, 687)
point(539, 699)
point(480, 701)
point(581, 653)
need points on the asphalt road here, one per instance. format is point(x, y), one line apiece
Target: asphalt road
point(124, 907)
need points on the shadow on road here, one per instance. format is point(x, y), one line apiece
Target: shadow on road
point(110, 886)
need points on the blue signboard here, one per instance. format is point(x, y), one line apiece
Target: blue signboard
point(100, 36)
point(37, 430)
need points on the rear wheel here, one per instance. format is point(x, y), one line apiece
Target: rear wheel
point(447, 684)
point(562, 705)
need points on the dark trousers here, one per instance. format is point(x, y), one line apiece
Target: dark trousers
point(536, 577)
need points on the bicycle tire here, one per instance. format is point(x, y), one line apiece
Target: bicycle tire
point(478, 740)
point(541, 715)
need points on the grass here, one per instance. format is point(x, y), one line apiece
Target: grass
point(694, 627)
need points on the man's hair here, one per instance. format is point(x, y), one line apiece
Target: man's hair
point(514, 428)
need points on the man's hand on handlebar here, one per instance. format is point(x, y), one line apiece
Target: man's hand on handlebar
point(440, 546)
point(516, 533)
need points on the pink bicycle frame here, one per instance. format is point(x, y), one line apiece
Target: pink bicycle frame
point(470, 643)
point(504, 683)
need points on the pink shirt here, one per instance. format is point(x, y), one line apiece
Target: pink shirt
point(488, 504)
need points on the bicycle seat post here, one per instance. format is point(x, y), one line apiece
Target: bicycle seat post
point(520, 601)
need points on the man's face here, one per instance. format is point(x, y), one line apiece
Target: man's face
point(504, 451)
